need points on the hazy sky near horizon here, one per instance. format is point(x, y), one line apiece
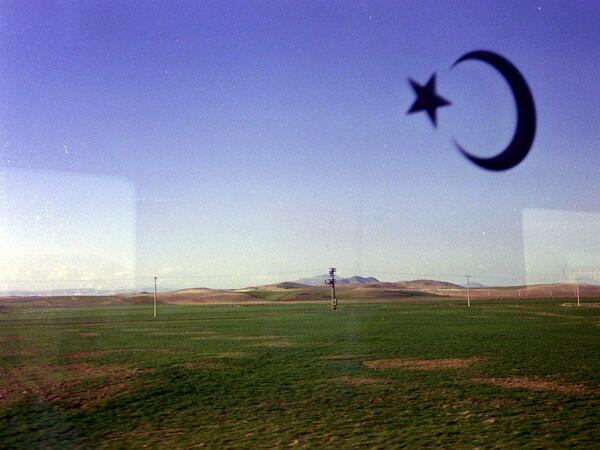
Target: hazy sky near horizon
point(269, 140)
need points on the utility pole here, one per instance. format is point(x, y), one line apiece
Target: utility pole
point(331, 282)
point(155, 278)
point(468, 277)
point(577, 288)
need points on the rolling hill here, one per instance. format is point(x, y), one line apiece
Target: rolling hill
point(306, 289)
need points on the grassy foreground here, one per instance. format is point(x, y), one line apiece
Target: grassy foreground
point(373, 375)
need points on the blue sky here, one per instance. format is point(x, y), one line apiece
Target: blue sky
point(247, 138)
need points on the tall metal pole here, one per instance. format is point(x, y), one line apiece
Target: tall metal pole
point(334, 305)
point(468, 277)
point(331, 282)
point(577, 288)
point(155, 296)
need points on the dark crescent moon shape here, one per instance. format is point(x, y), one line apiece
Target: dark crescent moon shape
point(522, 140)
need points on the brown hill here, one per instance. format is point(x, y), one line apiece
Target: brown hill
point(294, 292)
point(284, 285)
point(415, 285)
point(550, 290)
point(428, 284)
point(204, 296)
point(182, 297)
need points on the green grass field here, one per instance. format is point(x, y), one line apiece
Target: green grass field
point(522, 375)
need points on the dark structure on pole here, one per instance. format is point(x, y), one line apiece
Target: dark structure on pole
point(331, 282)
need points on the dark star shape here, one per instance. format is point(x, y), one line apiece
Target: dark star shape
point(427, 99)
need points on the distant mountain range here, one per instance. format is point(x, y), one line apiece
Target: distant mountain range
point(354, 282)
point(319, 280)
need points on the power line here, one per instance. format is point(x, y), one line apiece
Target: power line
point(538, 279)
point(478, 276)
point(150, 277)
point(448, 275)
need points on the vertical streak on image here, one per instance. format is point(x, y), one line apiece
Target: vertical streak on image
point(59, 229)
point(561, 246)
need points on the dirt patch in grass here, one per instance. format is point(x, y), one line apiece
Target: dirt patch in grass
point(237, 338)
point(181, 333)
point(422, 364)
point(204, 332)
point(78, 370)
point(228, 355)
point(92, 354)
point(165, 437)
point(9, 353)
point(360, 381)
point(68, 383)
point(254, 338)
point(563, 316)
point(535, 384)
point(138, 330)
point(207, 336)
point(479, 403)
point(192, 334)
point(90, 334)
point(204, 364)
point(170, 351)
point(340, 357)
point(272, 344)
point(116, 387)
